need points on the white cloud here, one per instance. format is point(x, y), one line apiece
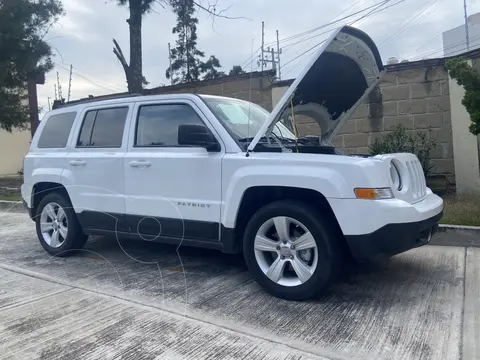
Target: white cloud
point(84, 38)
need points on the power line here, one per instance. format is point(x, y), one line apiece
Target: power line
point(421, 56)
point(331, 22)
point(376, 9)
point(404, 25)
point(95, 83)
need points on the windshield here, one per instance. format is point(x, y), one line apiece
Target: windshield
point(243, 119)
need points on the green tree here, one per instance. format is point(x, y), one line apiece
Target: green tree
point(137, 9)
point(210, 68)
point(398, 141)
point(23, 26)
point(469, 78)
point(186, 58)
point(236, 70)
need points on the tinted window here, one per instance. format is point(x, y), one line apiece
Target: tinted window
point(157, 125)
point(56, 131)
point(103, 128)
point(86, 131)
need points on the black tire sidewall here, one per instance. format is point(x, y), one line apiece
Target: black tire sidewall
point(73, 242)
point(328, 253)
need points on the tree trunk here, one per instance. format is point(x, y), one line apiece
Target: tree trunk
point(135, 24)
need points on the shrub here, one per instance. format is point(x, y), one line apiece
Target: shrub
point(398, 141)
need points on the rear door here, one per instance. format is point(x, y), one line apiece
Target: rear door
point(94, 175)
point(172, 191)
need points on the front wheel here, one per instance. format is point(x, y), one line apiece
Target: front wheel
point(291, 250)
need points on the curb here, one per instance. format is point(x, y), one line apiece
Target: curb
point(456, 235)
point(11, 206)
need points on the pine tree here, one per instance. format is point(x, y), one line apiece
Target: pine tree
point(186, 58)
point(23, 50)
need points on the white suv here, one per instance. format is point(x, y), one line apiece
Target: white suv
point(225, 174)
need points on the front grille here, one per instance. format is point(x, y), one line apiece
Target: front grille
point(417, 179)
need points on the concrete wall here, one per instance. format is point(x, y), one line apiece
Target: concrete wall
point(417, 98)
point(13, 148)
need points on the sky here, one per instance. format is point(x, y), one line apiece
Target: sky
point(411, 29)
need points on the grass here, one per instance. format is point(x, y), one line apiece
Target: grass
point(462, 210)
point(11, 197)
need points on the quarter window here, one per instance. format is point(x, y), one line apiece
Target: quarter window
point(56, 131)
point(157, 125)
point(103, 128)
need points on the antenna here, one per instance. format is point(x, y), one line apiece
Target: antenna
point(70, 83)
point(250, 92)
point(279, 51)
point(263, 43)
point(170, 60)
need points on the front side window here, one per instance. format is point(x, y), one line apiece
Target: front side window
point(56, 131)
point(243, 119)
point(103, 128)
point(157, 125)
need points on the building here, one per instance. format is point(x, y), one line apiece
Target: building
point(454, 40)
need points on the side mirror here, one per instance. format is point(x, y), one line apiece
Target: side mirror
point(197, 135)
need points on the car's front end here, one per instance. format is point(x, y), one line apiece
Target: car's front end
point(396, 215)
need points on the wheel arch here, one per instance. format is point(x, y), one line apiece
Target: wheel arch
point(256, 197)
point(42, 189)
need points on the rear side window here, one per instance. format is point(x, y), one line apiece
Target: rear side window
point(103, 128)
point(157, 125)
point(56, 131)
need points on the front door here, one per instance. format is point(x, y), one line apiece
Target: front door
point(172, 192)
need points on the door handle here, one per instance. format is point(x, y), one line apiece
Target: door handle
point(77, 162)
point(139, 163)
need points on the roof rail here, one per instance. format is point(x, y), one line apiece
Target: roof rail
point(61, 103)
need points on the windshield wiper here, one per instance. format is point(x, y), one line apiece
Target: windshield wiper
point(248, 139)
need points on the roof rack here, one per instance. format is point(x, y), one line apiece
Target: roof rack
point(61, 103)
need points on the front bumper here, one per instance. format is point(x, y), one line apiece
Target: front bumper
point(392, 239)
point(382, 228)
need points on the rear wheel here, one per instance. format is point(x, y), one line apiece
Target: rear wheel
point(57, 226)
point(291, 251)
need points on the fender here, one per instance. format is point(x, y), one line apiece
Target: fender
point(327, 181)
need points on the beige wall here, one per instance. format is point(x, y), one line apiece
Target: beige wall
point(13, 148)
point(465, 144)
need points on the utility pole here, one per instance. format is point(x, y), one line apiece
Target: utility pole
point(467, 38)
point(70, 83)
point(170, 60)
point(279, 51)
point(49, 107)
point(263, 43)
point(270, 55)
point(34, 79)
point(55, 88)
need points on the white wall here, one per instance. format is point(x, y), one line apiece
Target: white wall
point(454, 40)
point(465, 144)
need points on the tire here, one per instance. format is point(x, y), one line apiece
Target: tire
point(323, 242)
point(70, 237)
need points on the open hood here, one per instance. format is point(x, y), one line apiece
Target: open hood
point(334, 83)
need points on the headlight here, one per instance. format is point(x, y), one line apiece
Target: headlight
point(395, 176)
